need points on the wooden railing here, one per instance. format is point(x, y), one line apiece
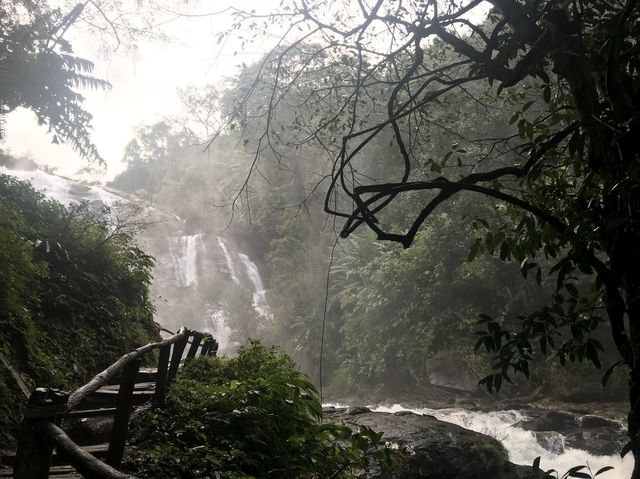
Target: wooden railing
point(40, 431)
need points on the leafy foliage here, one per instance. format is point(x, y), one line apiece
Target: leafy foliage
point(253, 415)
point(39, 71)
point(66, 277)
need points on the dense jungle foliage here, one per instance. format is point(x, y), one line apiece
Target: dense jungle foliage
point(73, 294)
point(393, 316)
point(251, 416)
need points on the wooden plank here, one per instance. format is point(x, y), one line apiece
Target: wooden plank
point(98, 450)
point(161, 376)
point(123, 413)
point(114, 388)
point(197, 338)
point(57, 472)
point(105, 411)
point(144, 375)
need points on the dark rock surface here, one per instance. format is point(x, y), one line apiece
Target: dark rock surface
point(437, 449)
point(556, 430)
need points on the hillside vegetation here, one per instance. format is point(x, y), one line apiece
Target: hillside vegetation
point(73, 295)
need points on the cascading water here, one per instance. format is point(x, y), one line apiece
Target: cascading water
point(522, 445)
point(62, 189)
point(259, 293)
point(236, 262)
point(233, 271)
point(218, 326)
point(184, 254)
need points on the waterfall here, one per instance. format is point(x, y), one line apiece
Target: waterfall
point(63, 189)
point(219, 328)
point(259, 294)
point(190, 277)
point(184, 254)
point(230, 262)
point(251, 276)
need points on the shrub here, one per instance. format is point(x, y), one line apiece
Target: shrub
point(249, 416)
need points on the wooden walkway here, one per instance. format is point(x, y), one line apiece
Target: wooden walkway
point(59, 437)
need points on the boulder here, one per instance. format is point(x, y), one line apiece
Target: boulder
point(436, 449)
point(555, 430)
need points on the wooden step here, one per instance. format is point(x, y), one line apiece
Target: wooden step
point(142, 386)
point(106, 396)
point(105, 411)
point(98, 450)
point(144, 375)
point(57, 472)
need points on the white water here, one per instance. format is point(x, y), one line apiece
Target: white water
point(232, 258)
point(218, 326)
point(62, 189)
point(522, 445)
point(259, 293)
point(184, 254)
point(229, 259)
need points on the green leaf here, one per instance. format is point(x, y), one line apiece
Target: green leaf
point(609, 371)
point(603, 470)
point(536, 464)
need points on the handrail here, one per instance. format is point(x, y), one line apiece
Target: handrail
point(84, 462)
point(45, 408)
point(103, 377)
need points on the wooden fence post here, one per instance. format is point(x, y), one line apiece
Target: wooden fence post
point(205, 344)
point(178, 349)
point(161, 375)
point(213, 349)
point(123, 413)
point(197, 339)
point(33, 456)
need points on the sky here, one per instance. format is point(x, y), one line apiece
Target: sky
point(145, 79)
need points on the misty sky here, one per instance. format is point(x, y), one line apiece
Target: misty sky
point(145, 78)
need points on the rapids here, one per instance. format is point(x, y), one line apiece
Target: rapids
point(522, 445)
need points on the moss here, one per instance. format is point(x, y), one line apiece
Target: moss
point(491, 459)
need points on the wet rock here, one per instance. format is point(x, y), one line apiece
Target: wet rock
point(598, 441)
point(558, 421)
point(355, 410)
point(591, 433)
point(552, 441)
point(438, 450)
point(591, 421)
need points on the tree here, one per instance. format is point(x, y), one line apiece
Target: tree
point(564, 174)
point(41, 73)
